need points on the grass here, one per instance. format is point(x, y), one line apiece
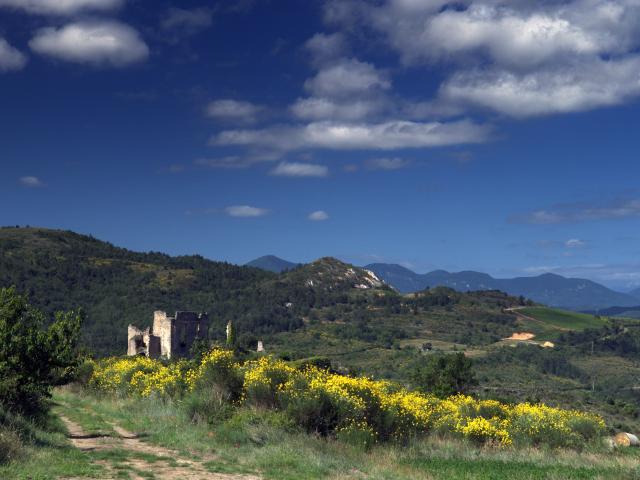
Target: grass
point(47, 454)
point(262, 443)
point(548, 323)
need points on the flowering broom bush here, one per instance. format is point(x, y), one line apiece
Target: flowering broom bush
point(347, 407)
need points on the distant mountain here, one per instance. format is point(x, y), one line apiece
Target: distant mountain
point(549, 289)
point(271, 263)
point(626, 312)
point(635, 293)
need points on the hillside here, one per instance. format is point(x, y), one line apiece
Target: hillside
point(271, 263)
point(338, 312)
point(62, 270)
point(549, 289)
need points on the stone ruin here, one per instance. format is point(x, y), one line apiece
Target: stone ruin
point(169, 337)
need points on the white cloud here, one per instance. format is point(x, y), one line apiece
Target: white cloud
point(387, 163)
point(188, 20)
point(61, 7)
point(31, 182)
point(107, 43)
point(389, 135)
point(318, 216)
point(296, 169)
point(575, 243)
point(11, 59)
point(518, 58)
point(347, 77)
point(245, 211)
point(317, 108)
point(508, 37)
point(515, 33)
point(234, 110)
point(326, 47)
point(569, 88)
point(581, 212)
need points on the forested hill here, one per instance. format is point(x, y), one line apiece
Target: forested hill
point(60, 270)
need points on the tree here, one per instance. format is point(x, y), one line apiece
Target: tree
point(445, 375)
point(231, 335)
point(33, 357)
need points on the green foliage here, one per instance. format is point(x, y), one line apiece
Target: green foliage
point(553, 361)
point(231, 335)
point(11, 447)
point(444, 375)
point(33, 357)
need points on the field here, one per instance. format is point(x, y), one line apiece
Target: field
point(547, 323)
point(254, 443)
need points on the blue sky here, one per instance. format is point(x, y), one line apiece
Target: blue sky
point(487, 135)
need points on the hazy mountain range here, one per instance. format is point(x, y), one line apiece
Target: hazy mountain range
point(272, 263)
point(549, 289)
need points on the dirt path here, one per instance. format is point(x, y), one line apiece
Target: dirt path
point(141, 459)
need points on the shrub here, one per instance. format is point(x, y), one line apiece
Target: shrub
point(264, 380)
point(202, 407)
point(359, 435)
point(358, 410)
point(445, 375)
point(33, 358)
point(218, 375)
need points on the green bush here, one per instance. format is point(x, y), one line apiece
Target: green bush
point(360, 436)
point(207, 407)
point(34, 358)
point(83, 373)
point(444, 375)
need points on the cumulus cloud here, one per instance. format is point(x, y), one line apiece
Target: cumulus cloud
point(318, 216)
point(581, 212)
point(387, 163)
point(245, 211)
point(101, 43)
point(326, 47)
point(296, 169)
point(357, 136)
point(317, 108)
point(61, 7)
point(11, 59)
point(233, 110)
point(517, 58)
point(189, 21)
point(31, 182)
point(568, 88)
point(345, 78)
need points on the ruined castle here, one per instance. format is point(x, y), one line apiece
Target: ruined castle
point(169, 337)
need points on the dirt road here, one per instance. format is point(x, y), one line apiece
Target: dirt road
point(126, 454)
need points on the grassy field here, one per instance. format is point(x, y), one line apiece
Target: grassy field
point(262, 444)
point(548, 323)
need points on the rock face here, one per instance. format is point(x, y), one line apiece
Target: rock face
point(169, 337)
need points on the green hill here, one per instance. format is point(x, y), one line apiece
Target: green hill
point(338, 312)
point(61, 270)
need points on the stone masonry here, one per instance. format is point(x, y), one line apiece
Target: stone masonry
point(169, 337)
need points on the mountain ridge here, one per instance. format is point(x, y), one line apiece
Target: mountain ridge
point(548, 288)
point(272, 263)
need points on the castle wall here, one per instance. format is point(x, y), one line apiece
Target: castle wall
point(170, 337)
point(163, 329)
